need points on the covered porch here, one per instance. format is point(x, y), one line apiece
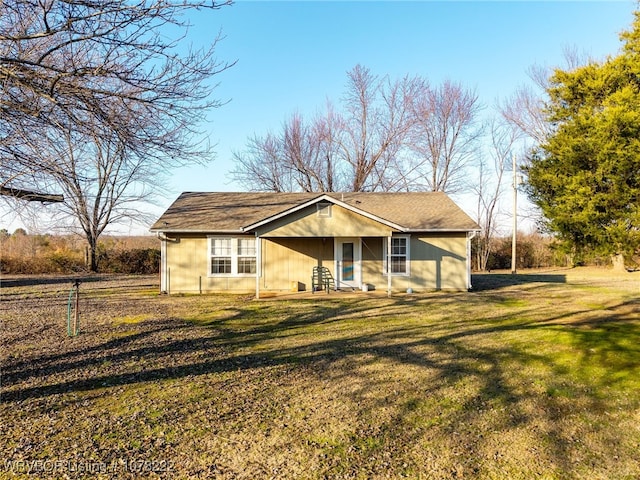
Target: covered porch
point(353, 263)
point(398, 261)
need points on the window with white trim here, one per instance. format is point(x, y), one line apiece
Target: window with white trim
point(398, 257)
point(232, 256)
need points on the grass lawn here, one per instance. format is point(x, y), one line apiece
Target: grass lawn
point(528, 376)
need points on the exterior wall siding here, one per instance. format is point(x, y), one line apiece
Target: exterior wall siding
point(183, 270)
point(372, 262)
point(287, 260)
point(188, 267)
point(307, 223)
point(438, 262)
point(284, 260)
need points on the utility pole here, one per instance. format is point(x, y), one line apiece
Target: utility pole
point(515, 216)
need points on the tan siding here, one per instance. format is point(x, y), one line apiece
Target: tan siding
point(287, 260)
point(233, 284)
point(188, 263)
point(439, 262)
point(307, 223)
point(184, 263)
point(372, 261)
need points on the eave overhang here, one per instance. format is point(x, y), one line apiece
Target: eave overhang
point(189, 230)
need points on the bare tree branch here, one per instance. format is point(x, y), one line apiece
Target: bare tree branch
point(445, 135)
point(489, 189)
point(100, 66)
point(357, 149)
point(377, 119)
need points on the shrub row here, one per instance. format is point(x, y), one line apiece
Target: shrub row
point(131, 261)
point(136, 260)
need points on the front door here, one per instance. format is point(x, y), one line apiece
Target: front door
point(348, 251)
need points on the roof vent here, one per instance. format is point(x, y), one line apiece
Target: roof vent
point(323, 209)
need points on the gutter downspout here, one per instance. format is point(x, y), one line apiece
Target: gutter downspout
point(164, 284)
point(165, 270)
point(163, 266)
point(470, 236)
point(258, 265)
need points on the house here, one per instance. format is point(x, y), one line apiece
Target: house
point(262, 242)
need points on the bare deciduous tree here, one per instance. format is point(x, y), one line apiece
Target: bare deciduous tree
point(71, 66)
point(489, 188)
point(302, 158)
point(356, 149)
point(102, 179)
point(99, 100)
point(524, 109)
point(445, 136)
point(260, 167)
point(376, 122)
point(103, 182)
point(309, 150)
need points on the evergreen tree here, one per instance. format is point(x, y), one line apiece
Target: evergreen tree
point(586, 176)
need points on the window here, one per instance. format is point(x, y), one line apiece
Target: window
point(398, 257)
point(247, 256)
point(220, 256)
point(233, 256)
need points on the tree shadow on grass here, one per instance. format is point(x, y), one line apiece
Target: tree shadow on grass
point(495, 281)
point(479, 359)
point(610, 331)
point(33, 280)
point(158, 341)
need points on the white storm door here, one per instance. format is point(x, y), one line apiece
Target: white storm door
point(348, 262)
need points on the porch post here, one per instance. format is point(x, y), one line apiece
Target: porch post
point(469, 237)
point(389, 266)
point(258, 265)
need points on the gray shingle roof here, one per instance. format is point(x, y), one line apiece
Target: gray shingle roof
point(231, 211)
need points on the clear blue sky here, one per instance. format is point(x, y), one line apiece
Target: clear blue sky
point(294, 55)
